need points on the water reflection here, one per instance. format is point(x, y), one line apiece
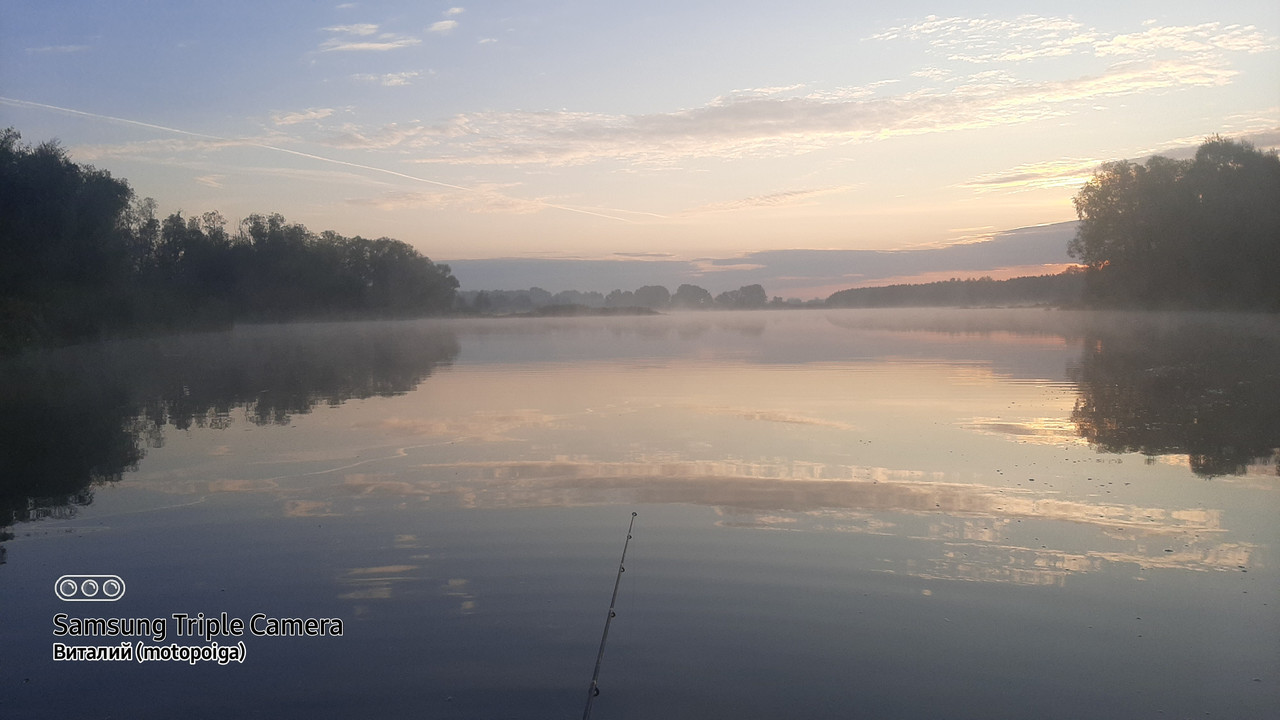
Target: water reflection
point(1204, 389)
point(829, 496)
point(76, 417)
point(978, 524)
point(1201, 385)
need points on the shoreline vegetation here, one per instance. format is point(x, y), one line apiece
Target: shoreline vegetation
point(86, 259)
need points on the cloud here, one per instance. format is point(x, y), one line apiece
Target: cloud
point(340, 177)
point(1074, 172)
point(777, 199)
point(1069, 172)
point(361, 29)
point(644, 255)
point(386, 42)
point(454, 11)
point(933, 73)
point(389, 79)
point(1208, 39)
point(482, 199)
point(1041, 249)
point(163, 151)
point(780, 126)
point(443, 26)
point(345, 42)
point(58, 49)
point(387, 136)
point(992, 40)
point(1028, 37)
point(197, 154)
point(703, 266)
point(307, 115)
point(789, 120)
point(764, 91)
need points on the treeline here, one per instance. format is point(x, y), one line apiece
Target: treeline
point(1063, 289)
point(650, 297)
point(1199, 233)
point(84, 258)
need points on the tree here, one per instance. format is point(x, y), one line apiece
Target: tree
point(1189, 233)
point(620, 299)
point(67, 259)
point(745, 297)
point(83, 257)
point(692, 297)
point(753, 296)
point(574, 297)
point(653, 296)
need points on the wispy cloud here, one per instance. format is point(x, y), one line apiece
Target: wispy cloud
point(1069, 172)
point(213, 181)
point(484, 199)
point(361, 29)
point(788, 120)
point(771, 200)
point(644, 255)
point(387, 136)
point(364, 37)
point(166, 150)
point(1028, 37)
point(389, 79)
point(1074, 172)
point(58, 49)
point(293, 118)
point(189, 141)
point(995, 40)
point(448, 25)
point(703, 266)
point(384, 42)
point(769, 125)
point(1206, 40)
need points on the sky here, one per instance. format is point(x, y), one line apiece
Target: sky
point(706, 136)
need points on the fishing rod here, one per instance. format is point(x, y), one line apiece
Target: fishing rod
point(594, 690)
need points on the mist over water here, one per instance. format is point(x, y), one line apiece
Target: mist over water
point(881, 513)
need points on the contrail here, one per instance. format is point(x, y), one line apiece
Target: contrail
point(310, 156)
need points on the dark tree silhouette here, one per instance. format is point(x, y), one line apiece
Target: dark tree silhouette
point(1065, 288)
point(692, 297)
point(620, 299)
point(656, 297)
point(1184, 233)
point(747, 296)
point(66, 267)
point(82, 258)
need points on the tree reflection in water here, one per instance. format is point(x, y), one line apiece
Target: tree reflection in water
point(1207, 386)
point(1209, 389)
point(77, 417)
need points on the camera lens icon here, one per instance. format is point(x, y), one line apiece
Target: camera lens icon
point(89, 588)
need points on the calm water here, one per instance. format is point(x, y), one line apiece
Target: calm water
point(871, 514)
